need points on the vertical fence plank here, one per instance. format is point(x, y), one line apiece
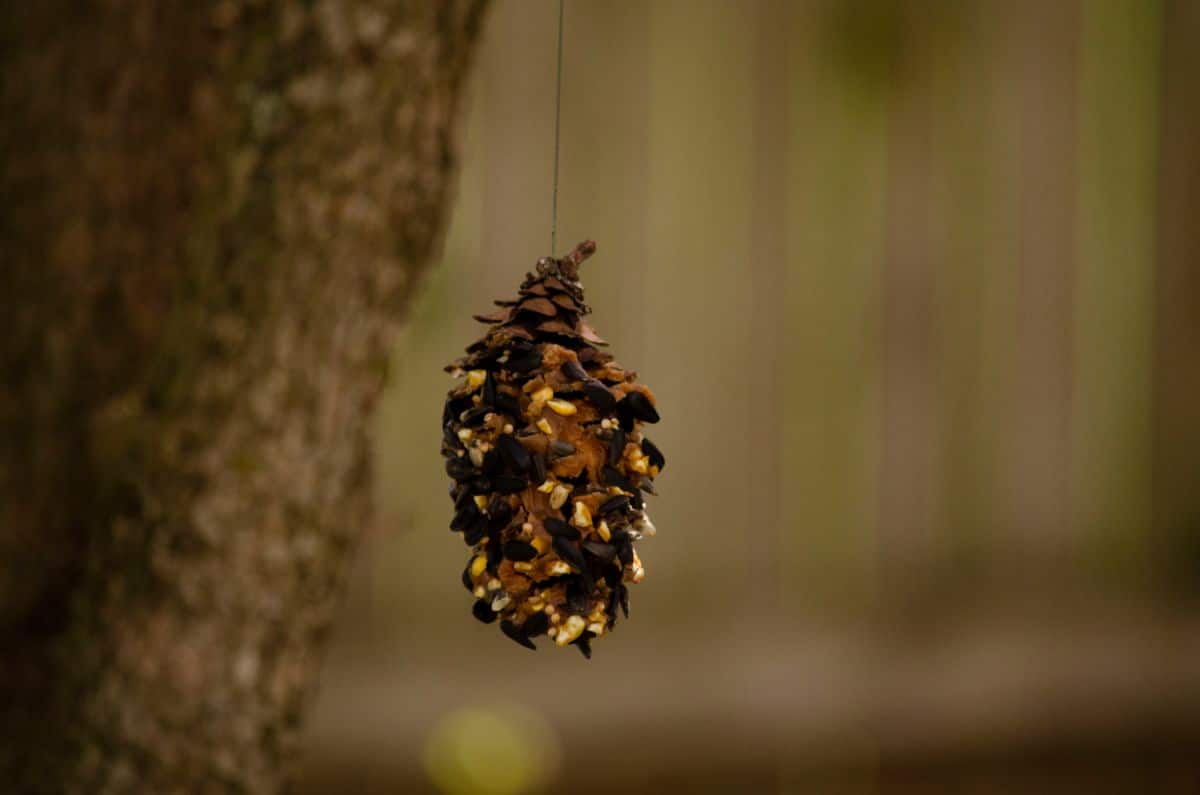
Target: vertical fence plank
point(837, 158)
point(1118, 157)
point(1177, 330)
point(1040, 43)
point(699, 172)
point(766, 269)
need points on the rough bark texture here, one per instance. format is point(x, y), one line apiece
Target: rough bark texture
point(214, 213)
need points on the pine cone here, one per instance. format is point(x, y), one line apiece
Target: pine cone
point(543, 442)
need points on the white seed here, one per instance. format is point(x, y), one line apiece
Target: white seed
point(500, 602)
point(527, 527)
point(558, 496)
point(646, 527)
point(508, 428)
point(582, 517)
point(606, 424)
point(596, 628)
point(476, 456)
point(559, 567)
point(571, 630)
point(479, 591)
point(475, 378)
point(493, 584)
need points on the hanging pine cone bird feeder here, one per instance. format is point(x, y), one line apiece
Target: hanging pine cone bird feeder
point(543, 440)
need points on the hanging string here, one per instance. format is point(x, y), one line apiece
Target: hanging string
point(557, 118)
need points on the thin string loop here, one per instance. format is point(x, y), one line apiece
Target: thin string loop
point(557, 118)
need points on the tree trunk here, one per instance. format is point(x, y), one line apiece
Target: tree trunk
point(213, 215)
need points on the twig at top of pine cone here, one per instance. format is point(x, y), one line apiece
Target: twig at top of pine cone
point(543, 442)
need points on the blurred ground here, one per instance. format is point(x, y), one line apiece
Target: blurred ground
point(913, 286)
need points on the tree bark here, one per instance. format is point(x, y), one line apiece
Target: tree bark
point(213, 216)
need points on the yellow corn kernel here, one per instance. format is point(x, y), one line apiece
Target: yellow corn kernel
point(603, 530)
point(571, 630)
point(582, 517)
point(475, 378)
point(478, 565)
point(558, 496)
point(542, 395)
point(564, 408)
point(544, 426)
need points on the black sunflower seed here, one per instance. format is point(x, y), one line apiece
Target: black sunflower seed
point(646, 484)
point(491, 462)
point(466, 578)
point(612, 576)
point(466, 514)
point(450, 437)
point(489, 389)
point(584, 645)
point(519, 551)
point(482, 610)
point(514, 632)
point(605, 552)
point(508, 484)
point(599, 395)
point(557, 527)
point(479, 484)
point(568, 551)
point(618, 503)
point(459, 468)
point(475, 533)
point(625, 415)
point(474, 417)
point(537, 468)
point(577, 595)
point(573, 370)
point(625, 553)
point(623, 597)
point(494, 554)
point(653, 453)
point(508, 404)
point(561, 448)
point(611, 476)
point(448, 413)
point(499, 514)
point(616, 447)
point(641, 407)
point(525, 362)
point(535, 625)
point(515, 454)
point(463, 497)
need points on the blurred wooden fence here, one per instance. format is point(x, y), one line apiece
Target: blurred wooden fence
point(917, 284)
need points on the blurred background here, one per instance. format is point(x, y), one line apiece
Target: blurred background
point(918, 287)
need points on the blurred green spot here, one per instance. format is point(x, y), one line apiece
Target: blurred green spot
point(491, 750)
